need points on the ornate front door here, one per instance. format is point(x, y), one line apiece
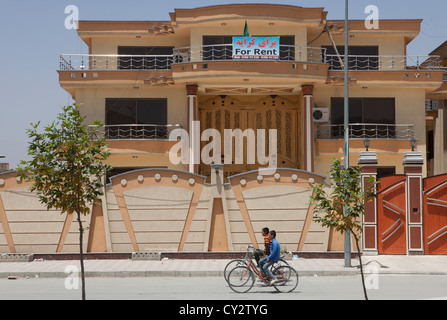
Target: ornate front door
point(270, 112)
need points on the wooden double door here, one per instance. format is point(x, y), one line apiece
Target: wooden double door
point(270, 112)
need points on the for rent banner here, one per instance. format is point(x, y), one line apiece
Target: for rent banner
point(256, 48)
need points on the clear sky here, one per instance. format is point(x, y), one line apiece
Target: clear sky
point(33, 35)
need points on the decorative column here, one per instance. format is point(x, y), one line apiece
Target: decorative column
point(368, 164)
point(218, 230)
point(413, 162)
point(193, 129)
point(308, 128)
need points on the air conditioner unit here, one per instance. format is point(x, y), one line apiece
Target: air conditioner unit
point(320, 114)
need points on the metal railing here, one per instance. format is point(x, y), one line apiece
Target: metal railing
point(384, 63)
point(224, 52)
point(135, 131)
point(374, 131)
point(88, 62)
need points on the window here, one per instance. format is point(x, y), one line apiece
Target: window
point(136, 118)
point(369, 61)
point(217, 48)
point(368, 117)
point(287, 48)
point(141, 61)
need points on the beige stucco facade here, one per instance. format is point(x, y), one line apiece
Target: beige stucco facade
point(407, 85)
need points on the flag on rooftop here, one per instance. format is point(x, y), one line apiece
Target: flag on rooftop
point(246, 33)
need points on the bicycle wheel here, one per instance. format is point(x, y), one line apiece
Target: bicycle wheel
point(241, 279)
point(277, 265)
point(282, 262)
point(231, 265)
point(287, 279)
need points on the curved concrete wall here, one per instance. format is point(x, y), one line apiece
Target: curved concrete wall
point(163, 210)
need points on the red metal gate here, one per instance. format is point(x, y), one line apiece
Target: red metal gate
point(391, 215)
point(435, 215)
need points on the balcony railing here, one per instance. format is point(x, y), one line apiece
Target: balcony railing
point(224, 52)
point(373, 131)
point(87, 62)
point(385, 63)
point(81, 62)
point(136, 131)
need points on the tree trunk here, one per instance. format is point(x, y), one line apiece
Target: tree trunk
point(81, 233)
point(361, 264)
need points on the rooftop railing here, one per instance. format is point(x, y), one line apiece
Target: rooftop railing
point(373, 131)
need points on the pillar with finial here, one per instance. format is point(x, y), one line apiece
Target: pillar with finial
point(368, 167)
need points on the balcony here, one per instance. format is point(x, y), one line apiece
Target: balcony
point(216, 64)
point(372, 131)
point(136, 131)
point(87, 62)
point(100, 62)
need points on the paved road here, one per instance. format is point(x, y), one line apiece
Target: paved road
point(385, 287)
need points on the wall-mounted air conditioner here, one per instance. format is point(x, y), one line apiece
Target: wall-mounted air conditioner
point(320, 114)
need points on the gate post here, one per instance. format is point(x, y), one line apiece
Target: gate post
point(368, 166)
point(413, 162)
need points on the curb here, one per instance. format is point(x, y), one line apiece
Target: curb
point(158, 273)
point(192, 274)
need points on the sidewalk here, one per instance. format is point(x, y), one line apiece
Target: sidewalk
point(417, 265)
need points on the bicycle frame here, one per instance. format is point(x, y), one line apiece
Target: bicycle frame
point(258, 272)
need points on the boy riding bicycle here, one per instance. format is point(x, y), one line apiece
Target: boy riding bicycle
point(266, 262)
point(258, 253)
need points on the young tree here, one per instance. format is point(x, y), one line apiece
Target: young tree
point(343, 208)
point(66, 167)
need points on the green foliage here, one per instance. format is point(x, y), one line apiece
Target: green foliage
point(66, 167)
point(66, 163)
point(343, 207)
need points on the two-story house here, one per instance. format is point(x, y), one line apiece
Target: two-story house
point(145, 78)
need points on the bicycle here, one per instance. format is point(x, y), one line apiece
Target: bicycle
point(242, 278)
point(245, 261)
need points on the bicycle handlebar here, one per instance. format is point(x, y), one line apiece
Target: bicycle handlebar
point(250, 247)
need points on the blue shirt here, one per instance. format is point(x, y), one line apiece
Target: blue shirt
point(274, 250)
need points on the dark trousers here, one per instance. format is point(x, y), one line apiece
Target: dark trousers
point(258, 254)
